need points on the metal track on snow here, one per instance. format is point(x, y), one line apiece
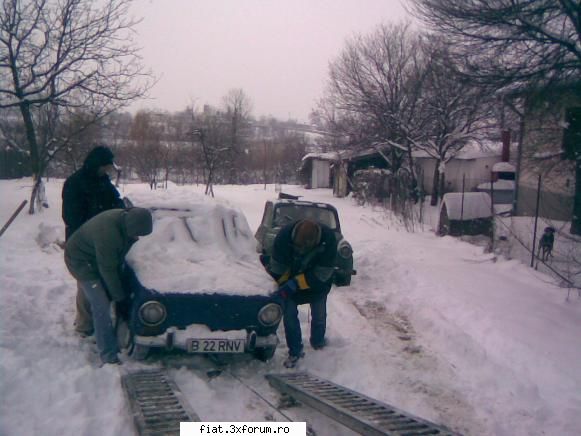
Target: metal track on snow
point(157, 404)
point(352, 409)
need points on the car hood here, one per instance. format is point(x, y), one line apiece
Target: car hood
point(198, 245)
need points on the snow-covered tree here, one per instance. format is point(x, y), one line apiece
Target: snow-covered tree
point(533, 44)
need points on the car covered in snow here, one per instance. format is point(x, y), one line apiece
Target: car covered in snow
point(287, 209)
point(196, 283)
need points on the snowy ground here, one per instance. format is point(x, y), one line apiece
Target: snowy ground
point(430, 325)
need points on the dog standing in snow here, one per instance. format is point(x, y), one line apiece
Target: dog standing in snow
point(546, 244)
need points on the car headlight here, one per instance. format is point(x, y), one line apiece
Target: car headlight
point(344, 249)
point(152, 313)
point(270, 314)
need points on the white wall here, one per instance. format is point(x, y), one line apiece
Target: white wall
point(320, 174)
point(476, 170)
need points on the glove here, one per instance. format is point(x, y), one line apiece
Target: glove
point(288, 289)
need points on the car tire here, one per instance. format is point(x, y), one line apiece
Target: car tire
point(123, 334)
point(265, 353)
point(125, 342)
point(341, 280)
point(138, 351)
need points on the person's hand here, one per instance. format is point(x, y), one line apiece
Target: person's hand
point(288, 288)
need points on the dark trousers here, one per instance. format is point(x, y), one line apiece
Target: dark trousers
point(292, 325)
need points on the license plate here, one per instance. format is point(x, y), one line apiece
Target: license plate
point(216, 346)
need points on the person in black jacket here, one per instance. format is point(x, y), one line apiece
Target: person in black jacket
point(302, 263)
point(86, 193)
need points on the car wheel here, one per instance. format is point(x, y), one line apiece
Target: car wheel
point(125, 341)
point(138, 351)
point(265, 353)
point(123, 334)
point(342, 280)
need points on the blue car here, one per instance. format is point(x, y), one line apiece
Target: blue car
point(196, 284)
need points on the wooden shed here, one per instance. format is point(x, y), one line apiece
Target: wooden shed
point(466, 213)
point(315, 170)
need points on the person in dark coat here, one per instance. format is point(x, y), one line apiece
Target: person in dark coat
point(302, 263)
point(86, 193)
point(94, 255)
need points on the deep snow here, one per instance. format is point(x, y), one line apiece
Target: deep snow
point(430, 325)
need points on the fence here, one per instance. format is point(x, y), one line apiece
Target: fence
point(515, 237)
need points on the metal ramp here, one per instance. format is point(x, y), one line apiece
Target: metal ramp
point(361, 414)
point(157, 404)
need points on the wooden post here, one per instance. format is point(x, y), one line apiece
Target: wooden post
point(13, 217)
point(536, 221)
point(462, 205)
point(492, 213)
point(265, 164)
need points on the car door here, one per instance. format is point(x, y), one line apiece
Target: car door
point(265, 224)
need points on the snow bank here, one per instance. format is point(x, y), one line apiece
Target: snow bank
point(198, 245)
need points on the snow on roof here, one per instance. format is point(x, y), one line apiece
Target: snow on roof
point(193, 238)
point(333, 155)
point(506, 185)
point(473, 205)
point(462, 154)
point(547, 154)
point(378, 171)
point(503, 167)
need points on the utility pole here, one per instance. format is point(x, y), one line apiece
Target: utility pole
point(265, 156)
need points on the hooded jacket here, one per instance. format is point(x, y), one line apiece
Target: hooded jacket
point(97, 249)
point(313, 271)
point(86, 193)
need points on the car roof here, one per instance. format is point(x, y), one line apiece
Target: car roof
point(303, 203)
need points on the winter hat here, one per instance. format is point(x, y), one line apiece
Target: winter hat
point(306, 235)
point(98, 157)
point(138, 222)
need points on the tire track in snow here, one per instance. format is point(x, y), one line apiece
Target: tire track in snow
point(424, 380)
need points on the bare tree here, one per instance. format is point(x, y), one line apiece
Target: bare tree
point(148, 154)
point(374, 88)
point(534, 44)
point(209, 130)
point(509, 40)
point(57, 56)
point(237, 111)
point(456, 113)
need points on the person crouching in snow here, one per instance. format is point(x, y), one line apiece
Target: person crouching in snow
point(94, 255)
point(302, 263)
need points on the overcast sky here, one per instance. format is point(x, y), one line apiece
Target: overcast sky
point(277, 51)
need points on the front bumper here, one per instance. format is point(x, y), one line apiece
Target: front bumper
point(174, 338)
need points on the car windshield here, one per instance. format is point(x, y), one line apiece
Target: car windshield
point(288, 213)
